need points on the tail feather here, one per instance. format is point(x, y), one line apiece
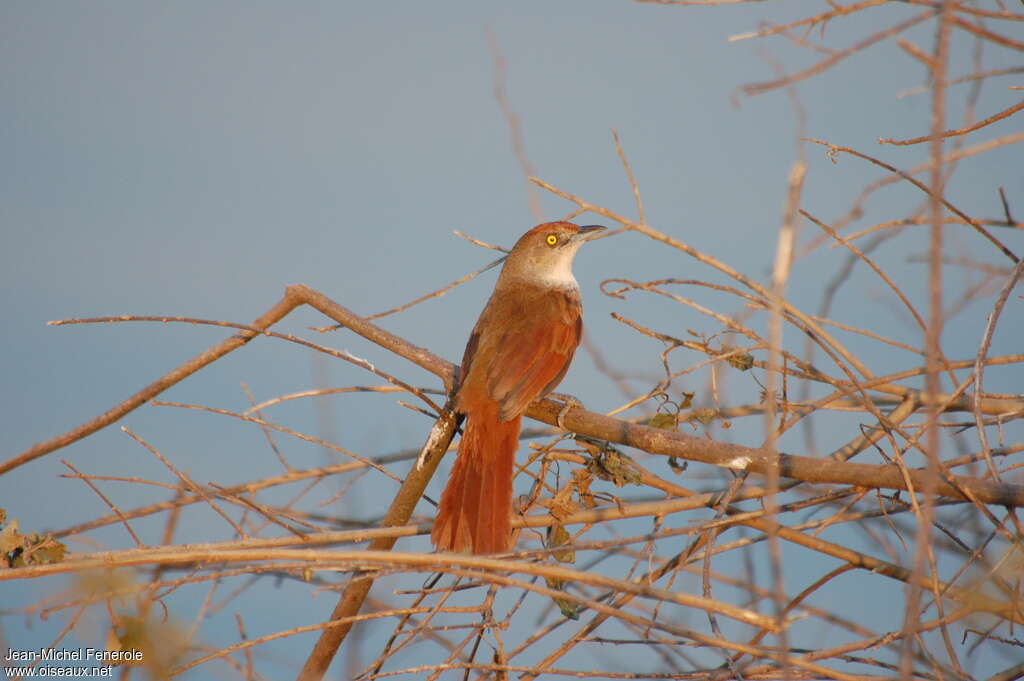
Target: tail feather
point(476, 507)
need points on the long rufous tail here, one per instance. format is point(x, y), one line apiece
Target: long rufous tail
point(476, 507)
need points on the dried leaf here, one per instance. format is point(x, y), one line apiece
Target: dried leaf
point(10, 538)
point(146, 641)
point(613, 466)
point(18, 550)
point(40, 550)
point(702, 415)
point(741, 362)
point(663, 421)
point(581, 479)
point(130, 635)
point(559, 536)
point(569, 609)
point(562, 504)
point(592, 448)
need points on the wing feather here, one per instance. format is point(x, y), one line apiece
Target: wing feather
point(531, 359)
point(521, 347)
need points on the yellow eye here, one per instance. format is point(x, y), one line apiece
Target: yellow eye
point(552, 239)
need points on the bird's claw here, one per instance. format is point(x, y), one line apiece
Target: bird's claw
point(569, 402)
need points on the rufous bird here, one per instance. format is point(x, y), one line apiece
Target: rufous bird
point(519, 351)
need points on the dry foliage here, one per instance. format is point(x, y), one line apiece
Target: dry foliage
point(913, 516)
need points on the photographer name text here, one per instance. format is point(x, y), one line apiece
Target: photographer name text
point(96, 655)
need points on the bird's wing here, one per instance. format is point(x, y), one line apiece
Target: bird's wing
point(533, 352)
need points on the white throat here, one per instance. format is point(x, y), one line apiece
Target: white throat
point(560, 276)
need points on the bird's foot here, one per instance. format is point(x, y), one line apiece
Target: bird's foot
point(569, 401)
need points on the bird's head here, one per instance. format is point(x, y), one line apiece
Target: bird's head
point(544, 254)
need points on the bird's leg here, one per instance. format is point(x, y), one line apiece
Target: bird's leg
point(570, 402)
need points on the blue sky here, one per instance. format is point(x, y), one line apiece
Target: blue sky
point(193, 158)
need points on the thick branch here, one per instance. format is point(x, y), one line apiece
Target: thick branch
point(738, 457)
point(293, 297)
point(398, 514)
point(116, 413)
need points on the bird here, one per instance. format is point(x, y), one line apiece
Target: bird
point(519, 350)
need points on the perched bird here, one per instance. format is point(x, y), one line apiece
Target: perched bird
point(519, 350)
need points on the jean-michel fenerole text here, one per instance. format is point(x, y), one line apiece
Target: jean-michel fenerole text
point(95, 655)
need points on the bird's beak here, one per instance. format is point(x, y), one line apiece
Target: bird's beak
point(589, 232)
